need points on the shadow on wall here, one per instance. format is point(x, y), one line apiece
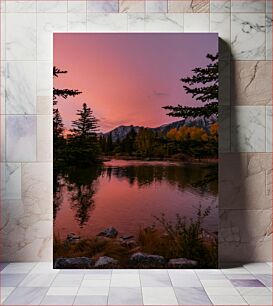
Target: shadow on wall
point(240, 240)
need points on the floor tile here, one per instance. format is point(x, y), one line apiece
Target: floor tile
point(246, 283)
point(20, 267)
point(221, 291)
point(240, 276)
point(125, 271)
point(58, 300)
point(62, 291)
point(93, 291)
point(125, 280)
point(44, 267)
point(96, 283)
point(97, 276)
point(254, 291)
point(26, 296)
point(269, 263)
point(5, 292)
point(259, 299)
point(67, 280)
point(159, 296)
point(266, 279)
point(227, 300)
point(235, 271)
point(185, 281)
point(97, 271)
point(216, 283)
point(3, 265)
point(37, 280)
point(73, 271)
point(125, 296)
point(258, 268)
point(90, 300)
point(11, 280)
point(192, 296)
point(154, 280)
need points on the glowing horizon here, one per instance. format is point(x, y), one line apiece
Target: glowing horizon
point(126, 79)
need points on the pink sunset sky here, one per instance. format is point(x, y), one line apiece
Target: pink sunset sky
point(127, 78)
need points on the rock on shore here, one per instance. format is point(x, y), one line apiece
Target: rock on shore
point(73, 263)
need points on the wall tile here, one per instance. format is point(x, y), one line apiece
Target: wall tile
point(100, 22)
point(268, 128)
point(136, 22)
point(188, 6)
point(245, 233)
point(3, 138)
point(157, 6)
point(249, 6)
point(252, 82)
point(47, 24)
point(21, 6)
point(20, 36)
point(3, 87)
point(20, 138)
point(58, 6)
point(224, 129)
point(160, 22)
point(248, 129)
point(269, 6)
point(248, 36)
point(243, 182)
point(20, 88)
point(77, 6)
point(102, 6)
point(131, 6)
point(220, 23)
point(3, 36)
point(77, 22)
point(268, 22)
point(220, 6)
point(11, 181)
point(224, 82)
point(3, 6)
point(37, 188)
point(44, 78)
point(44, 138)
point(196, 22)
point(44, 105)
point(25, 235)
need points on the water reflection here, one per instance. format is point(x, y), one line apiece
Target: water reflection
point(104, 186)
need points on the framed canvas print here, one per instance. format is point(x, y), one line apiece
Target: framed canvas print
point(135, 130)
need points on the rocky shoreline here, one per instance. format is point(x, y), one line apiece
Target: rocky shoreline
point(136, 257)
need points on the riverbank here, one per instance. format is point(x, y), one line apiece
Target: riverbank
point(180, 244)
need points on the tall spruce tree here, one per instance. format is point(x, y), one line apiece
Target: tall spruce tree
point(84, 146)
point(204, 87)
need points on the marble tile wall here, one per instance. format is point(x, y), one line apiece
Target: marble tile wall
point(245, 31)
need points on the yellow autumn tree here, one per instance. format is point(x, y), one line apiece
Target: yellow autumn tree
point(214, 131)
point(188, 133)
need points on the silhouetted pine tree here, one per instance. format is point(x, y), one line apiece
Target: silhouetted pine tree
point(83, 144)
point(203, 86)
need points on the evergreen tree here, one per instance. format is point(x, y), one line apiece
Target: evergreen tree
point(65, 92)
point(203, 86)
point(59, 141)
point(83, 146)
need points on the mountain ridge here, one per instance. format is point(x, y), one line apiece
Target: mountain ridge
point(121, 131)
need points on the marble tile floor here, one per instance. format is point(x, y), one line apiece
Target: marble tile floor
point(39, 284)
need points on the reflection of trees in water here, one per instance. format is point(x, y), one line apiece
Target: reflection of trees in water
point(200, 178)
point(57, 194)
point(81, 187)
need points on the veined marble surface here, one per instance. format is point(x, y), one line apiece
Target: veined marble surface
point(245, 94)
point(248, 39)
